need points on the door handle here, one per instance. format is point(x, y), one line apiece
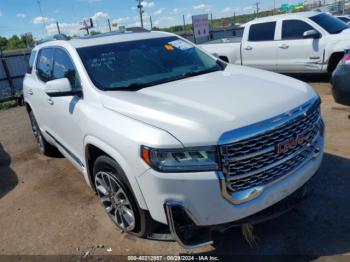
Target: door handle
point(314, 57)
point(30, 92)
point(248, 48)
point(284, 46)
point(50, 101)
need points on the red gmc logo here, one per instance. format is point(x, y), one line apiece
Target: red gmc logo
point(285, 146)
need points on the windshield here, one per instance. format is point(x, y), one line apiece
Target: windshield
point(330, 23)
point(137, 64)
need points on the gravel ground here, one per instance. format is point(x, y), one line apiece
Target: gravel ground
point(47, 208)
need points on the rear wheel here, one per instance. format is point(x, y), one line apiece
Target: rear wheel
point(118, 200)
point(45, 147)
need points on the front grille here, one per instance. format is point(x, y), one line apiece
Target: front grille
point(255, 161)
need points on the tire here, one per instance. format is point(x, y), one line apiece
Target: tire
point(334, 61)
point(20, 101)
point(45, 147)
point(118, 199)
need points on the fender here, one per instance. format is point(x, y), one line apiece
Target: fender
point(117, 156)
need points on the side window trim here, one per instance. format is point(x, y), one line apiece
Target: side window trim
point(257, 41)
point(37, 60)
point(31, 66)
point(293, 39)
point(71, 60)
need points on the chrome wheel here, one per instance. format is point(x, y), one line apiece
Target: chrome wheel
point(36, 131)
point(115, 200)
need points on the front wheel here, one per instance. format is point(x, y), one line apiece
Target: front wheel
point(118, 200)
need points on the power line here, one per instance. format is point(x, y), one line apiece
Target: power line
point(42, 16)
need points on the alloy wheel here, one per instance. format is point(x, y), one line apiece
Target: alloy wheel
point(115, 201)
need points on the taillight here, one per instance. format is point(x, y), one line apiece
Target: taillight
point(346, 59)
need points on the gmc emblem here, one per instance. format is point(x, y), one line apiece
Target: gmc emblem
point(285, 146)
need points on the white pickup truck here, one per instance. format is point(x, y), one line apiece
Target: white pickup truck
point(168, 135)
point(307, 42)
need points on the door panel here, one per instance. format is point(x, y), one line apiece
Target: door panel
point(66, 113)
point(259, 50)
point(296, 54)
point(43, 74)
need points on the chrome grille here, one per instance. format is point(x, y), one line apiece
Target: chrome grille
point(255, 161)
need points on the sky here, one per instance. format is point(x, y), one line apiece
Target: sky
point(21, 16)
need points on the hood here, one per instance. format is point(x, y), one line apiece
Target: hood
point(198, 110)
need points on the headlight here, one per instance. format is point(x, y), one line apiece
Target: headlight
point(181, 160)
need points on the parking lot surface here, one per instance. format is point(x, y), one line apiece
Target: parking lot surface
point(47, 208)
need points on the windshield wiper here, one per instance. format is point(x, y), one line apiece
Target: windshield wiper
point(202, 72)
point(130, 87)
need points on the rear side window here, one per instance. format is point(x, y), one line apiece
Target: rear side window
point(64, 68)
point(344, 19)
point(31, 62)
point(262, 32)
point(294, 29)
point(44, 64)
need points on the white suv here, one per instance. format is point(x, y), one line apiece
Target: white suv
point(168, 135)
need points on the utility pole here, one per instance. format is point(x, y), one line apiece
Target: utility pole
point(257, 8)
point(140, 7)
point(109, 25)
point(150, 20)
point(58, 28)
point(274, 7)
point(184, 21)
point(343, 7)
point(234, 18)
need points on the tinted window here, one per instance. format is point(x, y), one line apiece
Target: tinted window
point(294, 29)
point(137, 64)
point(344, 19)
point(330, 23)
point(64, 68)
point(262, 32)
point(31, 62)
point(44, 64)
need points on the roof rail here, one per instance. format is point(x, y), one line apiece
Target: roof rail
point(54, 38)
point(121, 31)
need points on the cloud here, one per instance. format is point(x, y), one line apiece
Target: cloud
point(175, 11)
point(100, 15)
point(0, 13)
point(65, 28)
point(90, 1)
point(121, 20)
point(227, 10)
point(42, 20)
point(249, 8)
point(21, 15)
point(148, 4)
point(230, 10)
point(202, 7)
point(159, 11)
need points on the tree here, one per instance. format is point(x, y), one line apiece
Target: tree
point(28, 40)
point(3, 42)
point(95, 32)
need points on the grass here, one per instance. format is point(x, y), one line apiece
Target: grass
point(8, 105)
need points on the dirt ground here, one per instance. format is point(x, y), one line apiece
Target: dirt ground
point(47, 208)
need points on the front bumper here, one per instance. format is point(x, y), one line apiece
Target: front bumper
point(201, 196)
point(189, 235)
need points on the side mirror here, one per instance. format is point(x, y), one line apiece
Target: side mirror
point(60, 87)
point(312, 34)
